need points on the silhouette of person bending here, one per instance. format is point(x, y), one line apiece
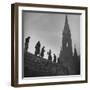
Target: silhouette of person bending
point(42, 51)
point(54, 57)
point(26, 43)
point(49, 55)
point(37, 48)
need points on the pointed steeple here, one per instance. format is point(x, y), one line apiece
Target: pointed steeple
point(66, 20)
point(66, 26)
point(66, 51)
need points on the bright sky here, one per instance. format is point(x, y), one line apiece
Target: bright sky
point(47, 28)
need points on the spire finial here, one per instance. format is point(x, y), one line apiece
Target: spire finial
point(66, 20)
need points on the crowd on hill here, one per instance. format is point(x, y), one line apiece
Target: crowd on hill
point(37, 50)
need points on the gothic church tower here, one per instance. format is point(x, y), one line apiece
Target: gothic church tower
point(66, 54)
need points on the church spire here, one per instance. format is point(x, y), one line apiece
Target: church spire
point(66, 20)
point(66, 50)
point(66, 27)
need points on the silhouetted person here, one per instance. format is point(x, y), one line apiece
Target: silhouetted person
point(54, 60)
point(49, 55)
point(42, 51)
point(26, 43)
point(37, 48)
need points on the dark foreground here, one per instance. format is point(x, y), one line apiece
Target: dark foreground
point(35, 66)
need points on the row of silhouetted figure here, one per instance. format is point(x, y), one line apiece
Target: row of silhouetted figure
point(37, 50)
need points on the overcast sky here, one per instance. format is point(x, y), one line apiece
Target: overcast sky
point(47, 28)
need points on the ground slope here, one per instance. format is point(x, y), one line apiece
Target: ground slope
point(35, 66)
